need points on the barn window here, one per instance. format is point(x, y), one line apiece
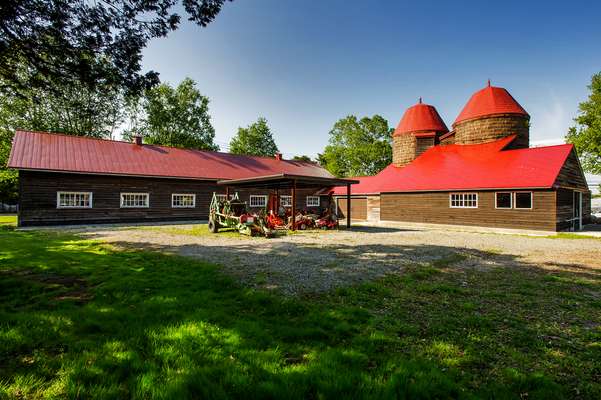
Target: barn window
point(183, 200)
point(523, 200)
point(258, 200)
point(134, 200)
point(312, 201)
point(222, 197)
point(286, 201)
point(503, 200)
point(463, 200)
point(74, 200)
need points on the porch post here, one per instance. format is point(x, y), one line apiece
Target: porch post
point(294, 205)
point(348, 205)
point(227, 193)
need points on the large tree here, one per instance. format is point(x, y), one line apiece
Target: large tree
point(256, 140)
point(45, 42)
point(586, 134)
point(173, 116)
point(74, 109)
point(358, 146)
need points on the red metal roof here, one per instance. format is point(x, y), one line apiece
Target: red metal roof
point(470, 167)
point(420, 117)
point(490, 101)
point(55, 152)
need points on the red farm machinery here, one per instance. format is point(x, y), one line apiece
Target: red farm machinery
point(274, 219)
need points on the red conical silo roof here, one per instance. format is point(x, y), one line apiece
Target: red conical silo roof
point(490, 101)
point(420, 117)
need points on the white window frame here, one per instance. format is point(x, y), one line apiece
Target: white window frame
point(462, 199)
point(257, 196)
point(287, 202)
point(312, 198)
point(174, 195)
point(523, 208)
point(134, 194)
point(510, 201)
point(89, 194)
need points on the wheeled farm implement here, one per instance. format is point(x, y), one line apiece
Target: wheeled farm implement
point(232, 214)
point(272, 220)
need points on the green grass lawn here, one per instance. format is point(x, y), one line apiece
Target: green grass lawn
point(8, 220)
point(82, 320)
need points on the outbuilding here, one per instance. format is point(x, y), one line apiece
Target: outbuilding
point(481, 173)
point(68, 179)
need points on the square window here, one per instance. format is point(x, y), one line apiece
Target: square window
point(183, 200)
point(286, 201)
point(134, 200)
point(463, 200)
point(503, 200)
point(258, 200)
point(74, 200)
point(312, 201)
point(523, 200)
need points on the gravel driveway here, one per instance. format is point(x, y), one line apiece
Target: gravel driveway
point(320, 261)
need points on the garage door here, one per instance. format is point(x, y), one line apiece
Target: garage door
point(358, 208)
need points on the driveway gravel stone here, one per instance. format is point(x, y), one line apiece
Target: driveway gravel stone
point(313, 262)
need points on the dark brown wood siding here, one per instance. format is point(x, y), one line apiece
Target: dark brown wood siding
point(565, 211)
point(38, 191)
point(358, 208)
point(433, 207)
point(586, 207)
point(571, 175)
point(423, 144)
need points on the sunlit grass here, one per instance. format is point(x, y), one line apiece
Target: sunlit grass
point(193, 230)
point(8, 220)
point(567, 235)
point(82, 320)
point(202, 230)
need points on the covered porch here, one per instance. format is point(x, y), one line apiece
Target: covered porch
point(286, 183)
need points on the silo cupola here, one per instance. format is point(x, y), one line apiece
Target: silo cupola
point(490, 114)
point(419, 129)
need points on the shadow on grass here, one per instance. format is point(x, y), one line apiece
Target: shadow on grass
point(159, 326)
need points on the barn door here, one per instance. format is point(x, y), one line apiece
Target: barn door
point(577, 213)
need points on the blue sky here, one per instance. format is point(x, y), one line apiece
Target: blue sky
point(305, 64)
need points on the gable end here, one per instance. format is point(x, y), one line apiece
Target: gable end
point(571, 174)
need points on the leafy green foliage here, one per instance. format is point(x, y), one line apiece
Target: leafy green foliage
point(255, 140)
point(9, 186)
point(586, 135)
point(358, 147)
point(169, 116)
point(302, 158)
point(83, 320)
point(73, 109)
point(44, 43)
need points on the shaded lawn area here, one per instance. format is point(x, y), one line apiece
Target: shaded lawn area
point(81, 320)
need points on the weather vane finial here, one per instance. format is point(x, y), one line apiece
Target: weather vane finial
point(489, 83)
point(420, 100)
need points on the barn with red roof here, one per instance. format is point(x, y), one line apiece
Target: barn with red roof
point(67, 179)
point(481, 173)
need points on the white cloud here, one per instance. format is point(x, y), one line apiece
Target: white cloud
point(550, 122)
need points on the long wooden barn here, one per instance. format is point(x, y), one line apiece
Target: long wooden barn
point(67, 179)
point(481, 173)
